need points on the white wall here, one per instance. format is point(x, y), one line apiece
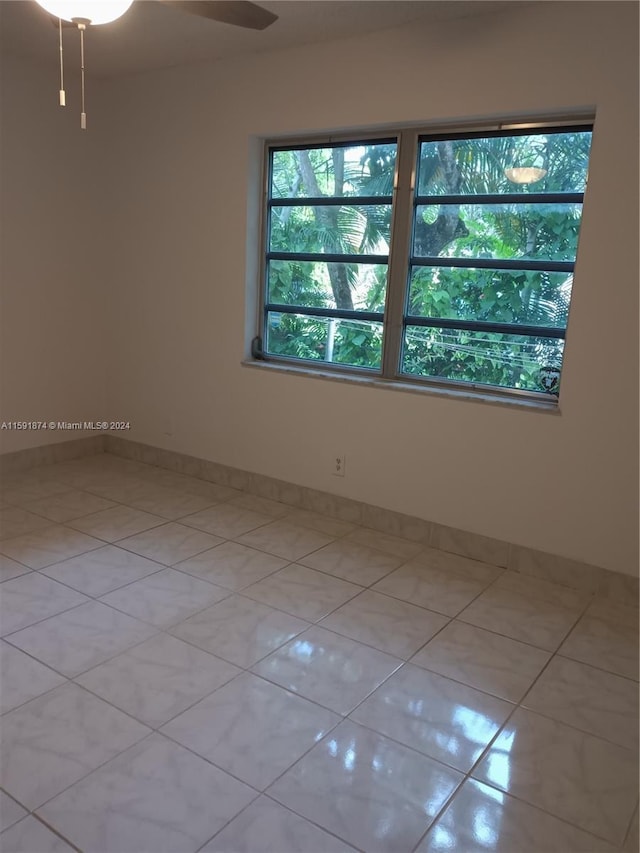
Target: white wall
point(178, 150)
point(52, 352)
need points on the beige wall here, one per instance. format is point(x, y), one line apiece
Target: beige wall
point(52, 341)
point(179, 147)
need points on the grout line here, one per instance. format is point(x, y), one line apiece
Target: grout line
point(132, 467)
point(44, 619)
point(627, 834)
point(467, 776)
point(312, 622)
point(44, 692)
point(311, 821)
point(485, 691)
point(315, 701)
point(287, 809)
point(210, 761)
point(565, 656)
point(539, 713)
point(164, 566)
point(226, 824)
point(377, 648)
point(379, 734)
point(125, 459)
point(136, 743)
point(248, 669)
point(503, 727)
point(177, 567)
point(55, 831)
point(114, 544)
point(200, 607)
point(155, 729)
point(508, 795)
point(98, 597)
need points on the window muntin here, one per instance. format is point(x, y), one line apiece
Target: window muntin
point(487, 358)
point(539, 231)
point(481, 297)
point(346, 229)
point(490, 295)
point(308, 283)
point(328, 238)
point(474, 164)
point(352, 342)
point(473, 221)
point(361, 169)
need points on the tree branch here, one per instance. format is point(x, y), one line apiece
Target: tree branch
point(327, 217)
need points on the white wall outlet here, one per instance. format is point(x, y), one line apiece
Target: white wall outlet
point(339, 465)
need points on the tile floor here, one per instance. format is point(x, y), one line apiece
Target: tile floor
point(185, 668)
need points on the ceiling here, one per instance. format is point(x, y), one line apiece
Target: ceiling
point(151, 35)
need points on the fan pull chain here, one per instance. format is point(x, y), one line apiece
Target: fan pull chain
point(83, 115)
point(63, 97)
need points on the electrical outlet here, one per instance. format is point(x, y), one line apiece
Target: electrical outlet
point(339, 465)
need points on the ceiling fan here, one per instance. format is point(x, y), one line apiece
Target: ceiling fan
point(83, 13)
point(238, 13)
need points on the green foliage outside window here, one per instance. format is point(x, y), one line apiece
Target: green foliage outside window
point(512, 222)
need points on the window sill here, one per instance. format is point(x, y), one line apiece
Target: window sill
point(468, 396)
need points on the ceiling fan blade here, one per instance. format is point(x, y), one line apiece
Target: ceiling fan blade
point(239, 13)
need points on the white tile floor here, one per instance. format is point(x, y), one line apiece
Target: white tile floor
point(188, 668)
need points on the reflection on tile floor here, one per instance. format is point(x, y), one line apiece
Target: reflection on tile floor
point(163, 686)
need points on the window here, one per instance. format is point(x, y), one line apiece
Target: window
point(437, 259)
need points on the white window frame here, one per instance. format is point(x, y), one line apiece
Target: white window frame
point(403, 203)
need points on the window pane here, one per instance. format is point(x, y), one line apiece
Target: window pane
point(472, 166)
point(360, 287)
point(355, 170)
point(348, 229)
point(504, 231)
point(484, 202)
point(494, 296)
point(510, 361)
point(348, 342)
